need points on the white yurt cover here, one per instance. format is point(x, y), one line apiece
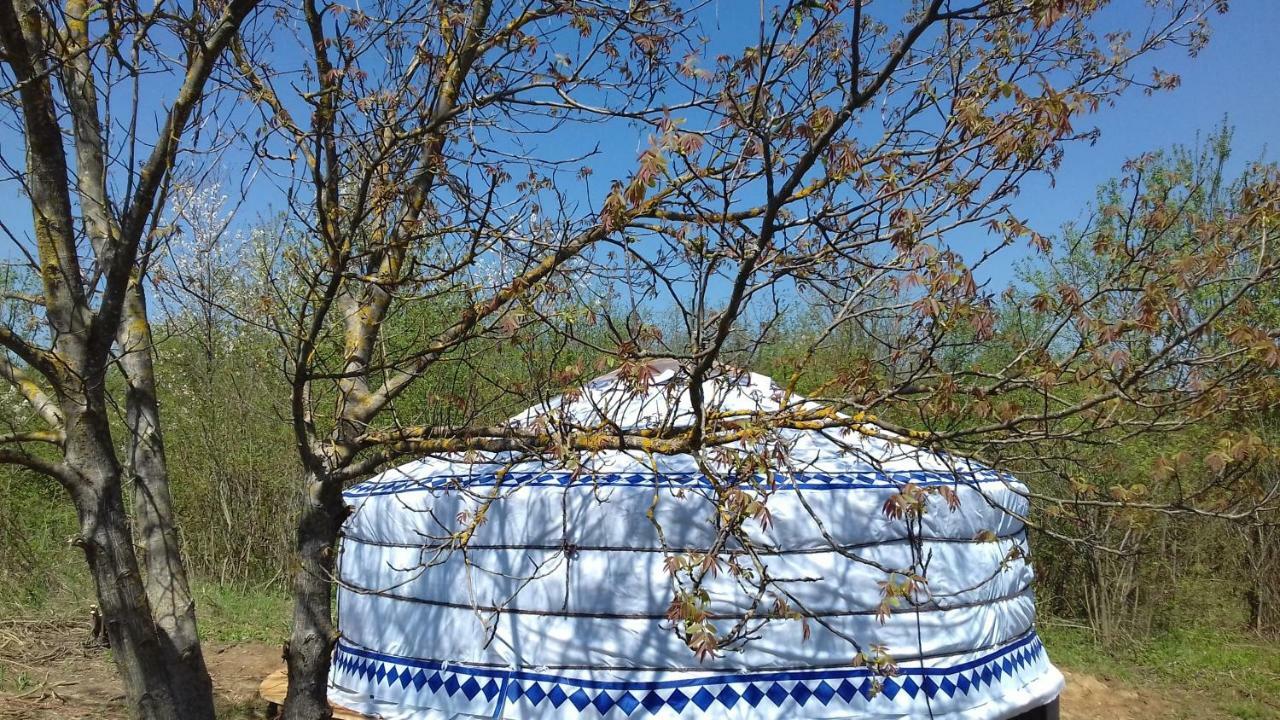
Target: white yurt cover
point(556, 605)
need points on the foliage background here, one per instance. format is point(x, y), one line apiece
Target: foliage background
point(1146, 597)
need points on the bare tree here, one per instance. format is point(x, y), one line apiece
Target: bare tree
point(449, 202)
point(97, 181)
point(405, 165)
point(868, 219)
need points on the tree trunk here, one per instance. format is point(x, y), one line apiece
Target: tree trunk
point(168, 590)
point(144, 655)
point(311, 642)
point(138, 647)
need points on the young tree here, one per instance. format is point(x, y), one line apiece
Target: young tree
point(97, 182)
point(830, 152)
point(1168, 300)
point(417, 114)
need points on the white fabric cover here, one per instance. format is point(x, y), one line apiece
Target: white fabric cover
point(555, 607)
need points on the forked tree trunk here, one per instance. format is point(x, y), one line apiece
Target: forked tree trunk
point(158, 656)
point(135, 642)
point(143, 654)
point(312, 639)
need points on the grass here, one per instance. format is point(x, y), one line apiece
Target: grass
point(1232, 675)
point(17, 681)
point(237, 614)
point(1206, 673)
point(1200, 672)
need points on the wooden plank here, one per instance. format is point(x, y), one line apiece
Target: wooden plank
point(276, 686)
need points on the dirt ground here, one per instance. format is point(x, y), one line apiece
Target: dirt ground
point(1088, 697)
point(47, 673)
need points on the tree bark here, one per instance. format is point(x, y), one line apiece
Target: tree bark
point(167, 587)
point(139, 651)
point(312, 639)
point(143, 654)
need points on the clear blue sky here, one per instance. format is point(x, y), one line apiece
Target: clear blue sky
point(1237, 76)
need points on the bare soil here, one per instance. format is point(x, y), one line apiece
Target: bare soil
point(48, 672)
point(1089, 697)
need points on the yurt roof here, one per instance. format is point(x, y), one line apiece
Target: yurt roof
point(850, 454)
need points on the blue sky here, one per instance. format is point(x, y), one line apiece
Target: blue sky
point(1237, 77)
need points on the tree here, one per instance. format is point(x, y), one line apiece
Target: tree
point(97, 183)
point(396, 90)
point(450, 203)
point(1173, 265)
point(1164, 296)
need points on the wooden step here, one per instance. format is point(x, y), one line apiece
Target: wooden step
point(276, 686)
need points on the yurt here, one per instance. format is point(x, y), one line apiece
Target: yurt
point(801, 573)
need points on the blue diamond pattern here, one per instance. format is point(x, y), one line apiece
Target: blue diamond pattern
point(627, 703)
point(580, 699)
point(753, 695)
point(824, 692)
point(707, 698)
point(561, 479)
point(652, 702)
point(603, 702)
point(703, 699)
point(930, 687)
point(728, 697)
point(846, 691)
point(910, 687)
point(557, 696)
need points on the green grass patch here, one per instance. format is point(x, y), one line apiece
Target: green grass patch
point(1236, 672)
point(1074, 648)
point(236, 614)
point(1244, 670)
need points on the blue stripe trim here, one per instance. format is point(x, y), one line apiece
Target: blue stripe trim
point(527, 676)
point(455, 688)
point(871, 479)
